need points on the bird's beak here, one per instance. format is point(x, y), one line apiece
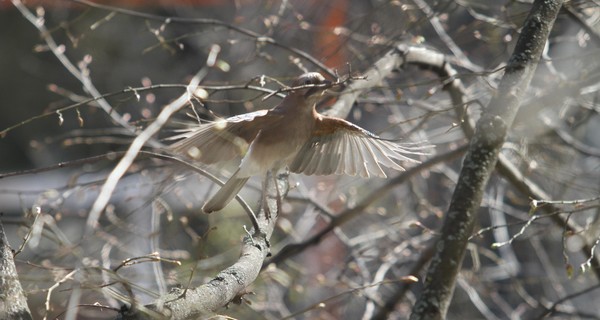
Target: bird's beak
point(326, 84)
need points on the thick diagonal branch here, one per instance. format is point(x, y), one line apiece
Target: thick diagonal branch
point(480, 162)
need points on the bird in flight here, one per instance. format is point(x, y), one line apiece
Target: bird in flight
point(293, 135)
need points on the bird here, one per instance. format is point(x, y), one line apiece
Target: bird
point(293, 135)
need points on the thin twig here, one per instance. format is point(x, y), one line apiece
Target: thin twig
point(349, 214)
point(136, 146)
point(81, 76)
point(249, 33)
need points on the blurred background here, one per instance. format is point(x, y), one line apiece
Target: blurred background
point(352, 273)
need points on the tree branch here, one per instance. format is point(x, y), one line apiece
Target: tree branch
point(13, 304)
point(82, 75)
point(480, 162)
point(136, 146)
point(249, 33)
point(229, 285)
point(351, 213)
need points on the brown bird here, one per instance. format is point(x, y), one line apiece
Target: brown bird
point(292, 134)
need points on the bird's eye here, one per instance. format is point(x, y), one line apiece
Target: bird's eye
point(306, 82)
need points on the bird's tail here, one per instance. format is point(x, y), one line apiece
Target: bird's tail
point(227, 192)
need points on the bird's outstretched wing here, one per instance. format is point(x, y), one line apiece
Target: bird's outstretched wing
point(340, 147)
point(223, 139)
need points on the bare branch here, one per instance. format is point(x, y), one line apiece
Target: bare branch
point(232, 281)
point(249, 33)
point(13, 304)
point(359, 208)
point(463, 60)
point(136, 146)
point(83, 77)
point(480, 161)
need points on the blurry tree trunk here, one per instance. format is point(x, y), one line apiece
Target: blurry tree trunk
point(480, 162)
point(13, 304)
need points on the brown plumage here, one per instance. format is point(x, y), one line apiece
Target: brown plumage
point(292, 134)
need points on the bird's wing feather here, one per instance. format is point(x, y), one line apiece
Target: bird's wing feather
point(340, 147)
point(223, 139)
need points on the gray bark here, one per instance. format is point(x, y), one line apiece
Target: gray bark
point(481, 160)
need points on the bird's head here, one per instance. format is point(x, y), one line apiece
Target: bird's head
point(310, 85)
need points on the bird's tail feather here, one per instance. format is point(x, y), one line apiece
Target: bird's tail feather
point(227, 192)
